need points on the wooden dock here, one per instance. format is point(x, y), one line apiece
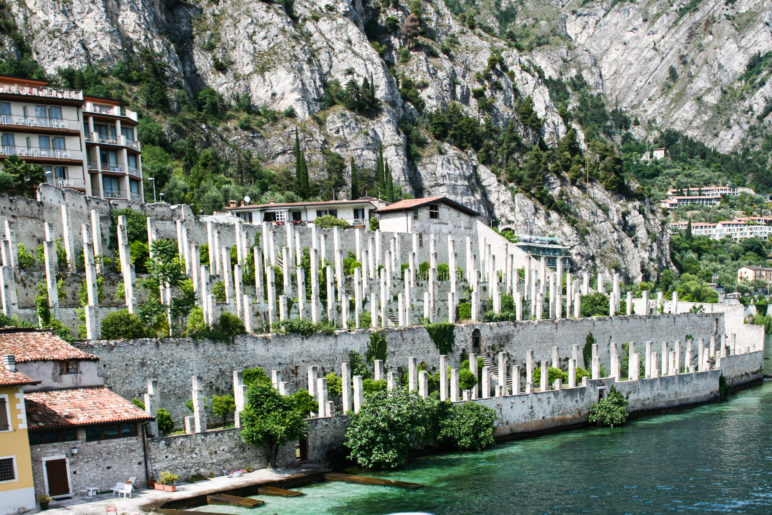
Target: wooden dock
point(233, 500)
point(275, 490)
point(367, 480)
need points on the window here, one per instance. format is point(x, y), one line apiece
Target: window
point(59, 143)
point(134, 187)
point(415, 214)
point(434, 211)
point(128, 133)
point(64, 435)
point(110, 431)
point(61, 172)
point(275, 216)
point(44, 142)
point(323, 212)
point(5, 112)
point(55, 113)
point(40, 112)
point(8, 140)
point(5, 415)
point(297, 216)
point(111, 186)
point(109, 160)
point(132, 160)
point(68, 367)
point(7, 469)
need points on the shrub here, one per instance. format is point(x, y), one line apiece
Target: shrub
point(165, 422)
point(595, 304)
point(218, 290)
point(122, 325)
point(372, 386)
point(465, 311)
point(196, 327)
point(227, 327)
point(26, 258)
point(376, 348)
point(303, 327)
point(334, 384)
point(552, 375)
point(386, 428)
point(375, 224)
point(466, 379)
point(304, 402)
point(223, 406)
point(609, 411)
point(255, 375)
point(469, 426)
point(167, 478)
point(329, 221)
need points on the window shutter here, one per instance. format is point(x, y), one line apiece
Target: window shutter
point(4, 422)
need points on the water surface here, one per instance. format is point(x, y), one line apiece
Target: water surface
point(716, 458)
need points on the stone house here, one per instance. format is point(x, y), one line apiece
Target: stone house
point(81, 434)
point(432, 215)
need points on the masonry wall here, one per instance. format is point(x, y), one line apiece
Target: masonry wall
point(670, 391)
point(743, 368)
point(99, 464)
point(325, 435)
point(127, 364)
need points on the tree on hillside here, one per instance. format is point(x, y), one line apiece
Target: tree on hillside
point(354, 181)
point(379, 171)
point(270, 420)
point(301, 170)
point(388, 184)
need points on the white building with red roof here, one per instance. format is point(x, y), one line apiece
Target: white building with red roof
point(356, 212)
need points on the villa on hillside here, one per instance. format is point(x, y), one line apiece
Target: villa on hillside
point(691, 200)
point(755, 273)
point(356, 212)
point(738, 229)
point(83, 143)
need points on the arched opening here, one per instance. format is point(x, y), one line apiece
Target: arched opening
point(476, 341)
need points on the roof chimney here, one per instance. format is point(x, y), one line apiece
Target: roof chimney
point(233, 203)
point(9, 361)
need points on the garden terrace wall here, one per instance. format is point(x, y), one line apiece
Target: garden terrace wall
point(127, 364)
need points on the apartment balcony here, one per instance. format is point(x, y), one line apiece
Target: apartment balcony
point(136, 196)
point(73, 183)
point(42, 92)
point(110, 111)
point(114, 194)
point(39, 124)
point(134, 171)
point(42, 153)
point(120, 141)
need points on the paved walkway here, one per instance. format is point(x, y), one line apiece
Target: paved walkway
point(144, 500)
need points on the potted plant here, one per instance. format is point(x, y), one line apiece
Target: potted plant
point(43, 501)
point(166, 483)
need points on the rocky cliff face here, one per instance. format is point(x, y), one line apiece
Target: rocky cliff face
point(284, 57)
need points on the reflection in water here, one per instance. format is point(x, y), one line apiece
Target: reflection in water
point(716, 457)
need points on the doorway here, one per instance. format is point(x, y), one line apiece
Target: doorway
point(57, 475)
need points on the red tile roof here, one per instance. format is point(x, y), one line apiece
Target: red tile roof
point(14, 378)
point(79, 407)
point(38, 345)
point(408, 204)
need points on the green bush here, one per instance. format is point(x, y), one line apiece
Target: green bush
point(334, 384)
point(376, 348)
point(375, 224)
point(372, 386)
point(609, 411)
point(304, 402)
point(26, 258)
point(595, 304)
point(218, 290)
point(227, 327)
point(122, 325)
point(223, 406)
point(196, 327)
point(165, 422)
point(465, 311)
point(255, 375)
point(329, 221)
point(443, 336)
point(466, 379)
point(469, 426)
point(553, 374)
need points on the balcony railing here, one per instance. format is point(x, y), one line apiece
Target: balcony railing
point(47, 123)
point(134, 171)
point(65, 94)
point(136, 196)
point(114, 194)
point(94, 137)
point(70, 183)
point(46, 153)
point(110, 110)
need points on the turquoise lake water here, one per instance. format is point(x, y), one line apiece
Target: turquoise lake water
point(716, 458)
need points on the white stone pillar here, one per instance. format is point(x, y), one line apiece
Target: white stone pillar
point(555, 357)
point(443, 377)
point(677, 350)
point(664, 356)
point(152, 401)
point(345, 376)
point(654, 368)
point(49, 253)
point(358, 393)
point(453, 385)
point(66, 239)
point(390, 381)
point(645, 303)
point(127, 270)
point(595, 362)
point(515, 380)
point(529, 368)
point(647, 360)
point(321, 396)
point(486, 383)
point(572, 373)
point(312, 375)
point(378, 369)
point(629, 307)
point(199, 409)
point(96, 238)
point(674, 303)
point(634, 371)
point(300, 276)
point(423, 384)
point(544, 379)
point(502, 372)
point(246, 314)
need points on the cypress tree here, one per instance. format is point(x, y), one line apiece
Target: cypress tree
point(354, 181)
point(191, 156)
point(379, 172)
point(389, 185)
point(301, 169)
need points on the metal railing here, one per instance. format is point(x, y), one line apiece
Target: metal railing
point(114, 194)
point(110, 110)
point(70, 183)
point(65, 94)
point(34, 121)
point(134, 171)
point(48, 153)
point(94, 137)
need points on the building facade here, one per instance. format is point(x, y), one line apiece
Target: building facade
point(753, 273)
point(17, 490)
point(437, 215)
point(356, 212)
point(83, 143)
point(739, 229)
point(80, 434)
point(691, 200)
